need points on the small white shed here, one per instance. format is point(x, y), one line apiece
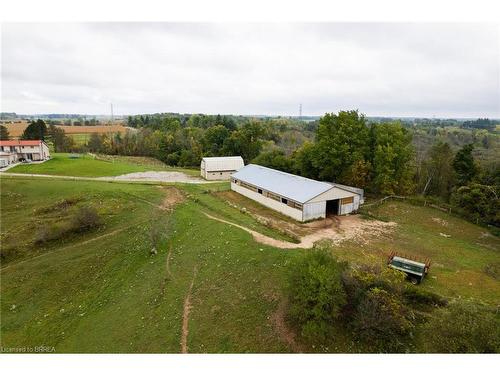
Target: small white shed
point(300, 198)
point(220, 168)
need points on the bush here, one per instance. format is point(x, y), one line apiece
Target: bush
point(462, 328)
point(316, 293)
point(47, 233)
point(417, 296)
point(86, 218)
point(375, 309)
point(382, 320)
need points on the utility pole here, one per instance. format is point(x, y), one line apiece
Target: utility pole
point(300, 111)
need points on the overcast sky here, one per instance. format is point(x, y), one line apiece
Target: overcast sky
point(442, 70)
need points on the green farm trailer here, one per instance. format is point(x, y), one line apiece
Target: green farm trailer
point(415, 269)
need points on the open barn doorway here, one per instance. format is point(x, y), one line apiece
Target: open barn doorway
point(332, 207)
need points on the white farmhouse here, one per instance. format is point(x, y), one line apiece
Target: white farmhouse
point(220, 168)
point(301, 198)
point(13, 151)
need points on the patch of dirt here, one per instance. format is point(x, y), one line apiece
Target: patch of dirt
point(285, 333)
point(185, 315)
point(173, 197)
point(349, 228)
point(442, 222)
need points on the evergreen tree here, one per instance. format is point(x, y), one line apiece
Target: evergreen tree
point(464, 165)
point(4, 133)
point(35, 130)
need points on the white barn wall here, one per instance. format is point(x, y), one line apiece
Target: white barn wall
point(332, 194)
point(314, 210)
point(268, 202)
point(226, 175)
point(348, 208)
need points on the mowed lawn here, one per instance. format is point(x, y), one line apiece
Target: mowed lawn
point(110, 295)
point(62, 164)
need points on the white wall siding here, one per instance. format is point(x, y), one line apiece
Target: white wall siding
point(218, 175)
point(268, 202)
point(314, 210)
point(334, 193)
point(350, 207)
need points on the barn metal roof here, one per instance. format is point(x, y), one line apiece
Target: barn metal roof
point(297, 188)
point(223, 163)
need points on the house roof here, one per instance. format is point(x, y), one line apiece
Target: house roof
point(223, 163)
point(18, 142)
point(297, 188)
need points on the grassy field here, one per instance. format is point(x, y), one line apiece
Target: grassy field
point(111, 295)
point(88, 166)
point(103, 291)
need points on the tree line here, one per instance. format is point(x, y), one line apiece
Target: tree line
point(342, 147)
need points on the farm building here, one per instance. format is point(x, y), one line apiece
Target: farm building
point(220, 168)
point(301, 198)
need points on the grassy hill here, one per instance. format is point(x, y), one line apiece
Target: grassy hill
point(102, 290)
point(101, 166)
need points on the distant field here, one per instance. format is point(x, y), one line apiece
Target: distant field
point(87, 166)
point(16, 130)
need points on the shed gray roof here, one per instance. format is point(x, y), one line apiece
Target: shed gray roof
point(297, 188)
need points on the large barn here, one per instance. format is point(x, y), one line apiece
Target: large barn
point(220, 168)
point(301, 198)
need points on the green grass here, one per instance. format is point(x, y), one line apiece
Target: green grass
point(88, 166)
point(458, 261)
point(111, 295)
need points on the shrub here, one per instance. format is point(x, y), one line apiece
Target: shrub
point(316, 293)
point(417, 296)
point(376, 309)
point(86, 218)
point(47, 233)
point(382, 320)
point(462, 328)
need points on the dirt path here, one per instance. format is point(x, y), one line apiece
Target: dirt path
point(286, 335)
point(169, 273)
point(173, 197)
point(349, 228)
point(185, 316)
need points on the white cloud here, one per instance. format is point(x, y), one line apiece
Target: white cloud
point(446, 70)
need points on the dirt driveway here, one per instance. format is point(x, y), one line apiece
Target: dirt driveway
point(348, 228)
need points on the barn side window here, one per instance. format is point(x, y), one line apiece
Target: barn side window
point(284, 200)
point(347, 200)
point(259, 191)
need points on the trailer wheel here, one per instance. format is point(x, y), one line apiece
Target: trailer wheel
point(414, 280)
